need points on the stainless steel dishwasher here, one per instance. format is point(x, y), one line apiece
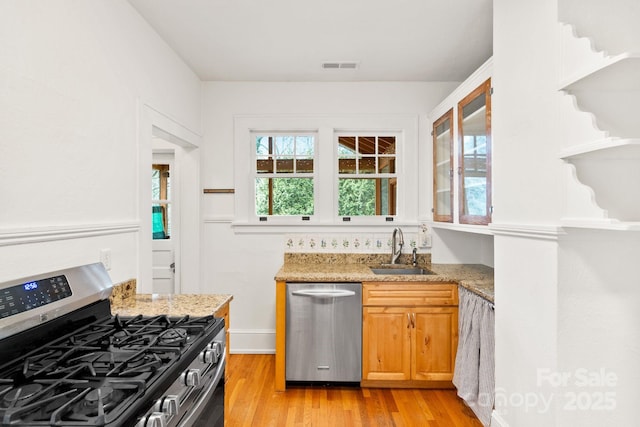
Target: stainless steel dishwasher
point(324, 332)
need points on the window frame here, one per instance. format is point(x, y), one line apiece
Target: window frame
point(313, 175)
point(378, 175)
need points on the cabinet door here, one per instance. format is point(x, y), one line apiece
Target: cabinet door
point(386, 343)
point(443, 168)
point(434, 342)
point(474, 133)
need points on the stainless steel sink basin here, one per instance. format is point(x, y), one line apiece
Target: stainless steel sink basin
point(401, 270)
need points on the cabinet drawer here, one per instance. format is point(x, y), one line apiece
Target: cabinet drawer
point(409, 294)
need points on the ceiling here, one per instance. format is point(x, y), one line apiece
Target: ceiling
point(289, 40)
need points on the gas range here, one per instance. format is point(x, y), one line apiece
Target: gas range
point(69, 366)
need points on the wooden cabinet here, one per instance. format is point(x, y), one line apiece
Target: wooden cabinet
point(409, 335)
point(461, 155)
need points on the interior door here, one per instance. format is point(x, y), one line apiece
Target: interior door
point(163, 224)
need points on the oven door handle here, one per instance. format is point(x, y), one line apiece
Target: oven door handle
point(206, 394)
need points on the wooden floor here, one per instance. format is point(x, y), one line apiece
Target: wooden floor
point(252, 401)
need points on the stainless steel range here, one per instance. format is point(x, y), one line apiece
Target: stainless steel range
point(66, 361)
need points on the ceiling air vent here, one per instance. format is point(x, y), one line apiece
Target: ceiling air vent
point(340, 65)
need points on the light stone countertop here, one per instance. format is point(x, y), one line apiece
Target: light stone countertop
point(477, 278)
point(173, 305)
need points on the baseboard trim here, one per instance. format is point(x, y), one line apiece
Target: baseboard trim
point(252, 341)
point(251, 351)
point(497, 420)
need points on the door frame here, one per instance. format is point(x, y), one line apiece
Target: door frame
point(153, 124)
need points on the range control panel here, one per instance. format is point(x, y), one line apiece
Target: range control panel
point(34, 294)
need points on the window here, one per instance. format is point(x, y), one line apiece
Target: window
point(318, 171)
point(284, 174)
point(474, 122)
point(367, 177)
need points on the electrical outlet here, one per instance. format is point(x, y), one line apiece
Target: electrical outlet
point(105, 258)
point(424, 237)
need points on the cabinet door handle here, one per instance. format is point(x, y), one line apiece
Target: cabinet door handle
point(413, 320)
point(408, 320)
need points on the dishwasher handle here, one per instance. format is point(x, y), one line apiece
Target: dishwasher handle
point(324, 293)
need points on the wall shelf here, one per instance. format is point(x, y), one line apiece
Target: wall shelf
point(612, 225)
point(608, 148)
point(604, 23)
point(610, 90)
point(604, 170)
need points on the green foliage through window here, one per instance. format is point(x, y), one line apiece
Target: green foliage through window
point(289, 196)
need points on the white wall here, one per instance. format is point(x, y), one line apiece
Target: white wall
point(244, 263)
point(566, 298)
point(74, 77)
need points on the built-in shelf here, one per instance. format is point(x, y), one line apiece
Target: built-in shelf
point(612, 225)
point(611, 25)
point(614, 73)
point(610, 90)
point(608, 148)
point(605, 171)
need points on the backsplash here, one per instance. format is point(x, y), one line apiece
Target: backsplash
point(346, 243)
point(124, 290)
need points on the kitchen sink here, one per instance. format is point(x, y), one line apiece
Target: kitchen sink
point(401, 270)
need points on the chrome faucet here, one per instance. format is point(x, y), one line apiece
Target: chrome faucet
point(397, 239)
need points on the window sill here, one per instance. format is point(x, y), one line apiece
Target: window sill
point(298, 227)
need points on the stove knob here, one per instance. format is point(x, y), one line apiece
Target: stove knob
point(217, 347)
point(156, 419)
point(168, 405)
point(209, 356)
point(191, 377)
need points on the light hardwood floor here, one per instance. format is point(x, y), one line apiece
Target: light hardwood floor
point(252, 401)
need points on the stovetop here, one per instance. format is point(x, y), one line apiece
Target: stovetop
point(99, 374)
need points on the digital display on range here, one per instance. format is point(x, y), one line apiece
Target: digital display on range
point(33, 294)
point(30, 286)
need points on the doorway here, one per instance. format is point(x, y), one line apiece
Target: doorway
point(164, 141)
point(164, 221)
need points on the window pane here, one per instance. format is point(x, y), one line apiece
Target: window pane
point(284, 145)
point(367, 165)
point(357, 196)
point(155, 184)
point(304, 147)
point(366, 145)
point(387, 165)
point(347, 166)
point(346, 146)
point(263, 145)
point(284, 166)
point(387, 145)
point(284, 196)
point(264, 165)
point(304, 166)
point(161, 227)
